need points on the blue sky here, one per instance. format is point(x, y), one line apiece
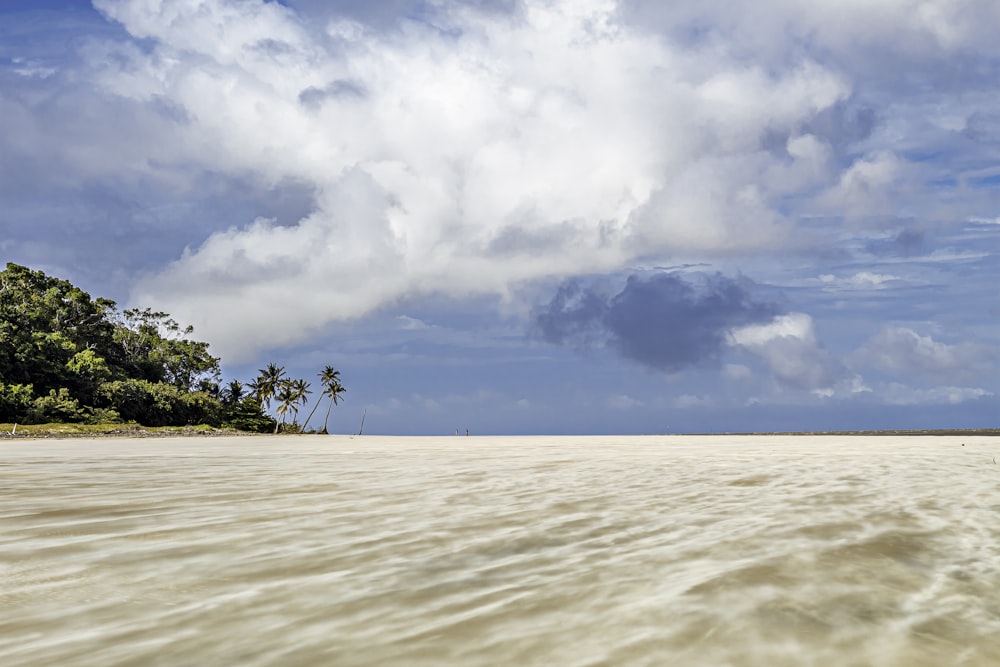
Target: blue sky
point(527, 216)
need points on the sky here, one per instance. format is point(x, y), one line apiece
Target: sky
point(532, 216)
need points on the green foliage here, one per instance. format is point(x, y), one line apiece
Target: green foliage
point(57, 406)
point(247, 416)
point(290, 393)
point(332, 389)
point(65, 357)
point(265, 386)
point(90, 367)
point(233, 393)
point(44, 322)
point(158, 404)
point(104, 416)
point(15, 401)
point(155, 348)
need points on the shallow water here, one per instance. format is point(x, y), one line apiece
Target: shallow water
point(501, 551)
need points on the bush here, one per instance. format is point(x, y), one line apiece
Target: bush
point(247, 416)
point(58, 406)
point(15, 402)
point(158, 404)
point(104, 416)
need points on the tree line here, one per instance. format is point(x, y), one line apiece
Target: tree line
point(67, 357)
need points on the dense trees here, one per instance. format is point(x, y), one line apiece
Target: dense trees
point(65, 357)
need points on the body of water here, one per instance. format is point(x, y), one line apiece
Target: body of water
point(311, 550)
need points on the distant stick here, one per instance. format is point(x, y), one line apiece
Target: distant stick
point(363, 415)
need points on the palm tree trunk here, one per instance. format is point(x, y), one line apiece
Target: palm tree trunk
point(311, 412)
point(328, 408)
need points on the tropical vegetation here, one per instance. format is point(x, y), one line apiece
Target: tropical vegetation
point(66, 357)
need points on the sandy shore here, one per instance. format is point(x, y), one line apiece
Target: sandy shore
point(746, 444)
point(132, 432)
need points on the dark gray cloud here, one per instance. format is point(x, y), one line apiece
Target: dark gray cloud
point(660, 321)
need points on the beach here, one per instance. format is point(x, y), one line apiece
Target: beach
point(568, 550)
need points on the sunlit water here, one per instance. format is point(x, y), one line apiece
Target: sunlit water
point(500, 551)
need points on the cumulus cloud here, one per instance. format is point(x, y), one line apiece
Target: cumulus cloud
point(548, 142)
point(792, 352)
point(898, 30)
point(903, 352)
point(661, 321)
point(469, 148)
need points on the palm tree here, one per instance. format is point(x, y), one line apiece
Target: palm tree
point(233, 392)
point(266, 385)
point(326, 376)
point(300, 390)
point(285, 396)
point(334, 390)
point(289, 394)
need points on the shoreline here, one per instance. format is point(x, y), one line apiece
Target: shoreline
point(111, 432)
point(115, 431)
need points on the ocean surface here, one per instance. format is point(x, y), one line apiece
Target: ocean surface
point(576, 551)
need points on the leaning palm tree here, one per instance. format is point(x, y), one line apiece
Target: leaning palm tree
point(326, 376)
point(266, 386)
point(333, 391)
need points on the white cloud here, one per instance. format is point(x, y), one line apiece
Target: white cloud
point(788, 345)
point(566, 137)
point(911, 28)
point(868, 186)
point(869, 280)
point(899, 394)
point(455, 164)
point(861, 280)
point(902, 351)
point(31, 70)
point(797, 326)
point(407, 323)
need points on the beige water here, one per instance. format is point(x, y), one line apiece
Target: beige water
point(500, 551)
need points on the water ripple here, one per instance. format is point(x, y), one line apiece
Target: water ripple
point(500, 551)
